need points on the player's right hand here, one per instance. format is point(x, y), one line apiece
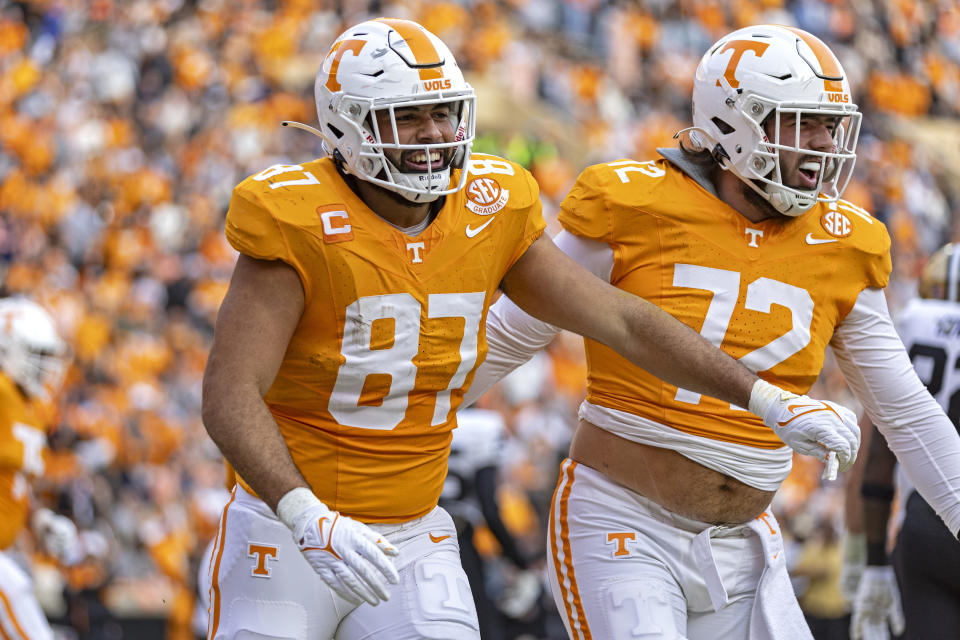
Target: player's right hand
point(854, 562)
point(808, 426)
point(58, 535)
point(353, 559)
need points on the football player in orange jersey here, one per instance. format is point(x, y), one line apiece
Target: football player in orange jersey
point(661, 524)
point(351, 329)
point(32, 359)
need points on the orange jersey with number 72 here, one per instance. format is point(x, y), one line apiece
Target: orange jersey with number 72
point(769, 293)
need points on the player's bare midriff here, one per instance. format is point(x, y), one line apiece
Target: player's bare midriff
point(668, 478)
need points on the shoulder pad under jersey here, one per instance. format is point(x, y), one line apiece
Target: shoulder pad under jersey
point(497, 182)
point(265, 206)
point(603, 189)
point(855, 230)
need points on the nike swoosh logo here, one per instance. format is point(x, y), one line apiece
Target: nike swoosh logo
point(471, 232)
point(811, 240)
point(797, 407)
point(329, 547)
point(434, 538)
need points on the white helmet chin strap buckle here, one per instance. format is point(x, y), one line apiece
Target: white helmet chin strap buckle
point(438, 181)
point(786, 203)
point(419, 186)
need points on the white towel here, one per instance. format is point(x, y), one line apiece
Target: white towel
point(776, 614)
point(703, 554)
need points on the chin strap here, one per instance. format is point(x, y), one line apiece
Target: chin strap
point(402, 180)
point(788, 204)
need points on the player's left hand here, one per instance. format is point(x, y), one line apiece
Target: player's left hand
point(876, 604)
point(57, 534)
point(824, 430)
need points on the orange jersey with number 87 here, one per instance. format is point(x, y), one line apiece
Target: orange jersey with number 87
point(393, 326)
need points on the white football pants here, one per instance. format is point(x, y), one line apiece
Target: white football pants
point(21, 617)
point(260, 586)
point(623, 567)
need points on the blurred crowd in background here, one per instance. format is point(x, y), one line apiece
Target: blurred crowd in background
point(124, 126)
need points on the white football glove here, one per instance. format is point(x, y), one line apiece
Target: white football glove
point(876, 603)
point(353, 559)
point(58, 535)
point(809, 426)
point(854, 562)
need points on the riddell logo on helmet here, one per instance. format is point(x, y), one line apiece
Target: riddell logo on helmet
point(437, 85)
point(836, 224)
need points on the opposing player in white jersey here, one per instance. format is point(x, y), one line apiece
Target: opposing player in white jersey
point(352, 328)
point(470, 497)
point(925, 591)
point(661, 526)
point(32, 360)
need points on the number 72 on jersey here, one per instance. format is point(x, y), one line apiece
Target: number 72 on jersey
point(762, 294)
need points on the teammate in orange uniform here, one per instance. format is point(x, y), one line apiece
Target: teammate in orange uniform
point(351, 329)
point(660, 526)
point(32, 358)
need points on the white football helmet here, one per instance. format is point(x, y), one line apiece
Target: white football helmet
point(779, 72)
point(940, 278)
point(386, 64)
point(32, 352)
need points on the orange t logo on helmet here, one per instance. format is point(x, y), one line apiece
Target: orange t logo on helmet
point(354, 46)
point(739, 48)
